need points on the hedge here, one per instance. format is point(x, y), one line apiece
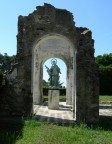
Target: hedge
point(62, 91)
point(105, 80)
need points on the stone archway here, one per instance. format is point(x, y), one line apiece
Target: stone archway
point(51, 32)
point(48, 46)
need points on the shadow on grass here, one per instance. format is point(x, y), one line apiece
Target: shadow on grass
point(10, 131)
point(105, 122)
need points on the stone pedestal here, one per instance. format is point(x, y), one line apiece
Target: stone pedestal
point(53, 99)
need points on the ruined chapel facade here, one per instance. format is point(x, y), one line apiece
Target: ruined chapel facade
point(46, 33)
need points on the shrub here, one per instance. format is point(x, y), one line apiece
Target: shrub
point(62, 91)
point(105, 79)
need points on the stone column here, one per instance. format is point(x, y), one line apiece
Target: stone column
point(69, 86)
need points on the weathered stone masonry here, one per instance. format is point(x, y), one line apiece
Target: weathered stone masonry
point(44, 26)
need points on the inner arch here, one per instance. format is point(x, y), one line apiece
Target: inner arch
point(48, 46)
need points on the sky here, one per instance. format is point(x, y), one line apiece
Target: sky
point(62, 67)
point(93, 14)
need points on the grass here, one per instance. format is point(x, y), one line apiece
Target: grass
point(61, 98)
point(106, 99)
point(35, 132)
point(10, 131)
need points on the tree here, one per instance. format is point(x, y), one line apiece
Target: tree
point(1, 77)
point(45, 84)
point(5, 62)
point(105, 73)
point(105, 79)
point(104, 60)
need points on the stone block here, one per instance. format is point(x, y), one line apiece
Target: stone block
point(53, 99)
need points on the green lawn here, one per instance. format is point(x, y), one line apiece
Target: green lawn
point(61, 98)
point(35, 132)
point(102, 99)
point(105, 99)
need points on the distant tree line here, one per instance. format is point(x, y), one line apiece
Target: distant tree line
point(105, 73)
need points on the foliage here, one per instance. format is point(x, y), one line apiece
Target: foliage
point(10, 131)
point(105, 77)
point(62, 91)
point(5, 62)
point(105, 73)
point(45, 84)
point(104, 60)
point(1, 77)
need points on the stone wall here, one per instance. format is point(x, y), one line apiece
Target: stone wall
point(87, 78)
point(47, 20)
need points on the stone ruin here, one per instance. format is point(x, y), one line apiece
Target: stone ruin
point(46, 33)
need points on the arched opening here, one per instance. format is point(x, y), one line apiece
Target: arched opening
point(54, 46)
point(62, 78)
